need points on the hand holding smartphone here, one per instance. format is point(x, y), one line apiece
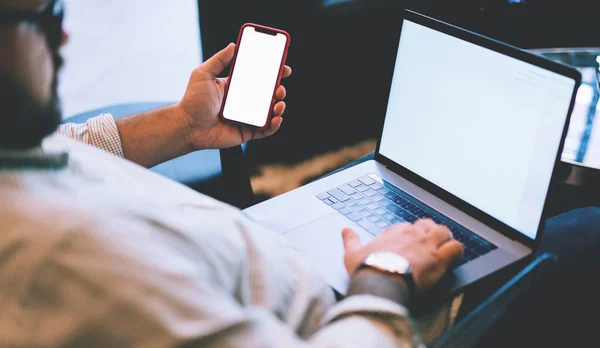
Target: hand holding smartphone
point(255, 74)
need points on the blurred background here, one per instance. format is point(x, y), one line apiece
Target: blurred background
point(341, 51)
point(123, 51)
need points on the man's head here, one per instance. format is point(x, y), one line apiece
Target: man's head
point(31, 36)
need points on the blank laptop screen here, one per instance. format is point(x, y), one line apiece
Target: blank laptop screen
point(483, 126)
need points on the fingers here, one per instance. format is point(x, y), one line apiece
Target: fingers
point(398, 228)
point(275, 125)
point(217, 63)
point(351, 240)
point(272, 129)
point(279, 109)
point(451, 252)
point(437, 234)
point(425, 225)
point(281, 93)
point(222, 80)
point(287, 71)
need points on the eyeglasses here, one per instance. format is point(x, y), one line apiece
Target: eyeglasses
point(49, 19)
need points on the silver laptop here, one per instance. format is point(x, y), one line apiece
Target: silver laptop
point(471, 137)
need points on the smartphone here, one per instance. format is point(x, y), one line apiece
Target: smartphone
point(254, 75)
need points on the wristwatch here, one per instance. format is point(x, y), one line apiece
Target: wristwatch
point(391, 263)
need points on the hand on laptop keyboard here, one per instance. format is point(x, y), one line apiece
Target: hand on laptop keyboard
point(429, 248)
point(374, 207)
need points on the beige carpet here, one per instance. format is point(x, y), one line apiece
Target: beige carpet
point(277, 179)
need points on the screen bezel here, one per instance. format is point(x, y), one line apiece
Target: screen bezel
point(508, 50)
point(270, 32)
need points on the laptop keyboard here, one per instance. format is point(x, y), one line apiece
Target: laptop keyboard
point(370, 205)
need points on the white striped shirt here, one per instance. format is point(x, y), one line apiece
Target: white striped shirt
point(105, 253)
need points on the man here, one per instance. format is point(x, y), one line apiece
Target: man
point(96, 250)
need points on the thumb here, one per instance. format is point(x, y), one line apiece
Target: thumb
point(217, 63)
point(351, 240)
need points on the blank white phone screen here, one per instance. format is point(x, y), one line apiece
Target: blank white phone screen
point(254, 77)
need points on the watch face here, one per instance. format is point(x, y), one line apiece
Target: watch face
point(388, 261)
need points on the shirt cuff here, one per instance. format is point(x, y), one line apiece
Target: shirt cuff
point(100, 131)
point(365, 304)
point(389, 312)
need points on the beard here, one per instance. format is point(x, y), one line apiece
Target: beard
point(26, 121)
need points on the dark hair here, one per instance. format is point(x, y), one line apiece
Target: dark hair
point(24, 122)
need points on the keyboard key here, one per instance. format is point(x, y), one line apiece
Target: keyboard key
point(417, 211)
point(380, 211)
point(338, 206)
point(333, 199)
point(394, 208)
point(369, 227)
point(350, 203)
point(382, 224)
point(377, 198)
point(382, 191)
point(461, 238)
point(323, 196)
point(399, 200)
point(372, 206)
point(354, 217)
point(411, 218)
point(374, 218)
point(367, 180)
point(364, 201)
point(356, 196)
point(346, 211)
point(339, 195)
point(459, 235)
point(391, 196)
point(369, 193)
point(328, 201)
point(424, 215)
point(407, 205)
point(388, 216)
point(469, 255)
point(346, 189)
point(467, 244)
point(402, 214)
point(366, 212)
point(354, 183)
point(385, 203)
point(361, 188)
point(358, 207)
point(397, 221)
point(376, 186)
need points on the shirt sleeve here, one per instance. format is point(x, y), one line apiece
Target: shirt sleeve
point(100, 131)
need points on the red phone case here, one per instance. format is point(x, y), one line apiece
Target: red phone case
point(284, 57)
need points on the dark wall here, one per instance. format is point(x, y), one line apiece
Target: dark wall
point(342, 56)
point(220, 21)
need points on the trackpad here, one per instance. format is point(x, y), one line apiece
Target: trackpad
point(321, 244)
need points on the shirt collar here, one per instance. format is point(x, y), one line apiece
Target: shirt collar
point(36, 158)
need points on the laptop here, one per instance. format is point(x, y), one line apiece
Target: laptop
point(471, 138)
